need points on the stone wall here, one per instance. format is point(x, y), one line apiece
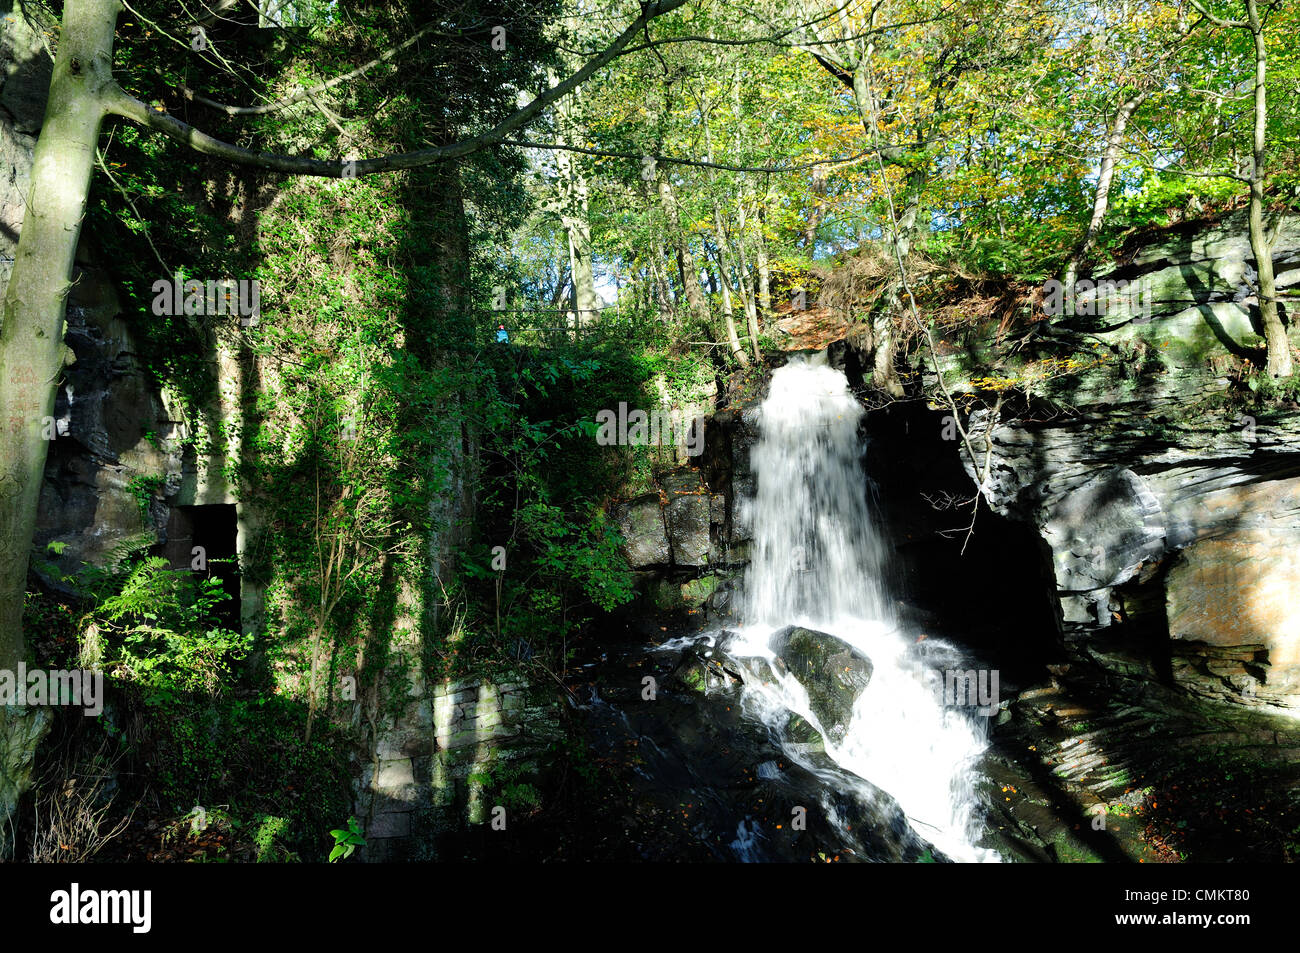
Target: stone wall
point(423, 779)
point(688, 540)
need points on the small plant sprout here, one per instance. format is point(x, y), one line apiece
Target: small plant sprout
point(346, 841)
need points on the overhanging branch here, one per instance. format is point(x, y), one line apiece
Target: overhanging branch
point(120, 103)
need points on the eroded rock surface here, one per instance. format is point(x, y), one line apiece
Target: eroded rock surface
point(1160, 498)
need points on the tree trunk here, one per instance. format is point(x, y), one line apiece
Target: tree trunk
point(574, 209)
point(728, 313)
point(690, 271)
point(31, 337)
point(764, 267)
point(317, 637)
point(21, 731)
point(745, 287)
point(813, 218)
point(662, 290)
point(1101, 197)
point(884, 374)
point(1279, 348)
point(744, 281)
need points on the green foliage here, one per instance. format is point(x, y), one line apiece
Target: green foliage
point(268, 834)
point(248, 752)
point(510, 784)
point(542, 497)
point(201, 737)
point(372, 403)
point(51, 624)
point(161, 632)
point(143, 490)
point(346, 841)
point(1273, 390)
point(1164, 197)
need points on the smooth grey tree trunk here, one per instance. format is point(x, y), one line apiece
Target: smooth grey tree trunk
point(1101, 196)
point(1279, 359)
point(31, 336)
point(729, 311)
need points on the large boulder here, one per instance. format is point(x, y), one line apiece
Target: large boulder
point(833, 673)
point(687, 516)
point(1233, 599)
point(645, 539)
point(675, 526)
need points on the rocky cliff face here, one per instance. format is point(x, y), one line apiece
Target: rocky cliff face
point(1146, 510)
point(1135, 578)
point(1166, 504)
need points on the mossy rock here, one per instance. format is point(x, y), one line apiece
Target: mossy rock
point(696, 591)
point(833, 673)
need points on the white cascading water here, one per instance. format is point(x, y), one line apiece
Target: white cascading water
point(817, 562)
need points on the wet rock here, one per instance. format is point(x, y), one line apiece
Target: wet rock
point(761, 670)
point(723, 603)
point(832, 671)
point(709, 782)
point(802, 733)
point(695, 592)
point(699, 671)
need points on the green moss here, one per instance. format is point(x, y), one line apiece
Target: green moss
point(696, 591)
point(1070, 851)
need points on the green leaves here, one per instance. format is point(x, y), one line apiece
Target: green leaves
point(161, 631)
point(346, 841)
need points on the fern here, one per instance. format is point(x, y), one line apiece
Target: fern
point(163, 632)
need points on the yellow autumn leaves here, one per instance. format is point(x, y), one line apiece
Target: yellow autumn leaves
point(1038, 372)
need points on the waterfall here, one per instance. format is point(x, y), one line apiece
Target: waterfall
point(818, 561)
